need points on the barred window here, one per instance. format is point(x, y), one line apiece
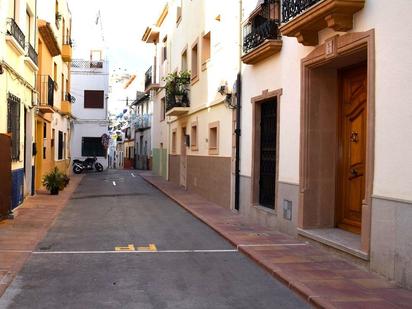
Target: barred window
point(13, 124)
point(60, 146)
point(92, 146)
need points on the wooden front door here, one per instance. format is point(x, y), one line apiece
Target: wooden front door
point(5, 175)
point(353, 117)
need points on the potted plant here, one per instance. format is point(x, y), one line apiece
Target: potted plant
point(53, 181)
point(177, 85)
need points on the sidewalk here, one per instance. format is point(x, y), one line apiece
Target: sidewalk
point(321, 278)
point(20, 236)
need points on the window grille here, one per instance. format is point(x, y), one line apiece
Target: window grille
point(13, 124)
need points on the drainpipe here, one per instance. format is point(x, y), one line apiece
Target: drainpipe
point(238, 123)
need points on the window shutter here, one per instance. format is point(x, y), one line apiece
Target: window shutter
point(93, 99)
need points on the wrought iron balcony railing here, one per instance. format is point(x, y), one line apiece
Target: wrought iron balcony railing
point(31, 53)
point(67, 41)
point(254, 36)
point(148, 78)
point(143, 121)
point(173, 101)
point(45, 87)
point(14, 30)
point(68, 97)
point(292, 8)
point(84, 64)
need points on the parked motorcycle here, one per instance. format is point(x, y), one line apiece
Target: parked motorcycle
point(89, 164)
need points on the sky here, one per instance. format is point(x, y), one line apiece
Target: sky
point(123, 23)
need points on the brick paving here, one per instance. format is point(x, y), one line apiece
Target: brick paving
point(20, 236)
point(323, 279)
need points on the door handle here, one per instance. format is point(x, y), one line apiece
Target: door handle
point(354, 172)
point(354, 137)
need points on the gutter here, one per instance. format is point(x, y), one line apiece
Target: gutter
point(238, 115)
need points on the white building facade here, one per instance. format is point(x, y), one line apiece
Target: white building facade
point(326, 120)
point(90, 87)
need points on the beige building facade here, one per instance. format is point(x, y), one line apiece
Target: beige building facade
point(198, 41)
point(325, 124)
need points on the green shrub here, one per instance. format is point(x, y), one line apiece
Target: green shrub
point(54, 181)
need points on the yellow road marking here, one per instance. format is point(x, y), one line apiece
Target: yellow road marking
point(151, 247)
point(128, 248)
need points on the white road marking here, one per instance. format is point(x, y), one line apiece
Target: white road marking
point(114, 183)
point(136, 252)
point(133, 175)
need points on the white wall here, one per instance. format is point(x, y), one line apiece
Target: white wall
point(87, 130)
point(97, 79)
point(393, 128)
point(89, 122)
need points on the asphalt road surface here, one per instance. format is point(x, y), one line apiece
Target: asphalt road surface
point(78, 265)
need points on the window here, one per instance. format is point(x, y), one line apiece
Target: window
point(57, 14)
point(214, 138)
point(92, 146)
point(60, 146)
point(193, 136)
point(205, 50)
point(174, 141)
point(93, 99)
point(162, 109)
point(55, 75)
point(62, 88)
point(28, 26)
point(179, 11)
point(44, 140)
point(13, 124)
point(184, 60)
point(64, 146)
point(195, 62)
point(164, 49)
point(44, 130)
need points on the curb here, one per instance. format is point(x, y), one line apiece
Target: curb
point(300, 291)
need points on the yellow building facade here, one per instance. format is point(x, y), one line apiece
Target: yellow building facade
point(53, 119)
point(18, 70)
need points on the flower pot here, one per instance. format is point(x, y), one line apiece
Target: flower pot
point(54, 191)
point(179, 98)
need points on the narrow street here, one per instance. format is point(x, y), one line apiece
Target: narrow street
point(77, 266)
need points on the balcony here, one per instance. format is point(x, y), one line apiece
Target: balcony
point(49, 38)
point(31, 57)
point(261, 41)
point(15, 36)
point(84, 64)
point(149, 80)
point(67, 50)
point(303, 19)
point(143, 122)
point(45, 88)
point(177, 94)
point(177, 105)
point(66, 106)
